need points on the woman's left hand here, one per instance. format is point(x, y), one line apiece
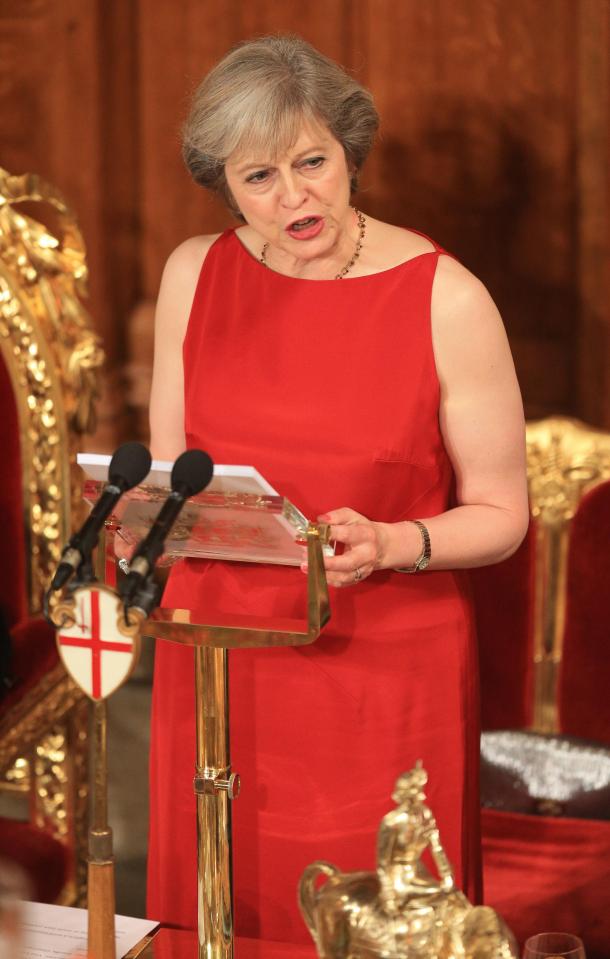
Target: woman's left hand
point(364, 545)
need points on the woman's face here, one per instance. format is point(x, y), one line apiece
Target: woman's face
point(298, 202)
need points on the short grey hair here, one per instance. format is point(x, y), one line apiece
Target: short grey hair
point(257, 97)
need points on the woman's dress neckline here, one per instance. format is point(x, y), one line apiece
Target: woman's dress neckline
point(352, 279)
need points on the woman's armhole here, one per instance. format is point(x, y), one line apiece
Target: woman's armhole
point(179, 283)
point(181, 277)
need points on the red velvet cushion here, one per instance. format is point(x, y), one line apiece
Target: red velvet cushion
point(43, 859)
point(503, 610)
point(12, 554)
point(34, 654)
point(584, 693)
point(545, 874)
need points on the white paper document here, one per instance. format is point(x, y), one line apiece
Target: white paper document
point(226, 478)
point(60, 932)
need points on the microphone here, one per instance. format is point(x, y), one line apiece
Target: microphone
point(129, 465)
point(191, 473)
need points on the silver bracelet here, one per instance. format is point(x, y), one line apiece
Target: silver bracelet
point(423, 560)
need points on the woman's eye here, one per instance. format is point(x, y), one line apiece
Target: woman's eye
point(257, 177)
point(312, 163)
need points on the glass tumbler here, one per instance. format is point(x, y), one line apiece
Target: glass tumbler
point(554, 945)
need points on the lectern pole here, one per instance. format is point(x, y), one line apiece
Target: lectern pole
point(215, 786)
point(100, 882)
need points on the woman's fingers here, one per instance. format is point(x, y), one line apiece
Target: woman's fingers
point(349, 577)
point(341, 516)
point(359, 537)
point(362, 555)
point(353, 535)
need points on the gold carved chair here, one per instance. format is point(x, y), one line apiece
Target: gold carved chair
point(545, 676)
point(49, 359)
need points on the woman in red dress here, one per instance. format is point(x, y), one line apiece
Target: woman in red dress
point(367, 375)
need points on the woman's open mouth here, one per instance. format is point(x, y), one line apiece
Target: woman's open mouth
point(305, 228)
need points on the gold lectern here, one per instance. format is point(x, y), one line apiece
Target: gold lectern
point(215, 783)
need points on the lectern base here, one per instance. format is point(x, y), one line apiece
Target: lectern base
point(173, 944)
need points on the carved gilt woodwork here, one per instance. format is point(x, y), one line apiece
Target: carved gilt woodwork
point(565, 459)
point(53, 357)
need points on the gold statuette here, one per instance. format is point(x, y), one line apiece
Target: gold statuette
point(401, 911)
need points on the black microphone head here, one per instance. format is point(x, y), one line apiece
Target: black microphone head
point(129, 465)
point(192, 472)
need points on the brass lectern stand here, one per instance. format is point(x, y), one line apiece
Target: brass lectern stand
point(215, 783)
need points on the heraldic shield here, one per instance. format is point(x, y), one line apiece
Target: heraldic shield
point(97, 647)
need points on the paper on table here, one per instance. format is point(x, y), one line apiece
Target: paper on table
point(60, 932)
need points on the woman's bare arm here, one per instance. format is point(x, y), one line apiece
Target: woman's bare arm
point(174, 303)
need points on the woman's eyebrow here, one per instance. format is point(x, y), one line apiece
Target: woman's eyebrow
point(312, 149)
point(244, 167)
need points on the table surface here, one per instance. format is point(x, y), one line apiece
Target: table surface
point(176, 944)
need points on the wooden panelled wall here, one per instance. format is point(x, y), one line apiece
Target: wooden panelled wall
point(494, 140)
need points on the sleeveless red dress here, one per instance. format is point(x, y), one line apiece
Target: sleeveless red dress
point(329, 389)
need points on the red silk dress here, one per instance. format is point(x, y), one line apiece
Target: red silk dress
point(329, 389)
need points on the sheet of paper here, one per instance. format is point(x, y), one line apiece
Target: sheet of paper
point(227, 477)
point(60, 932)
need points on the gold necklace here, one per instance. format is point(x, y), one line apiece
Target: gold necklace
point(361, 231)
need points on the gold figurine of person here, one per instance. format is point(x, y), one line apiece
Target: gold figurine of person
point(404, 834)
point(400, 911)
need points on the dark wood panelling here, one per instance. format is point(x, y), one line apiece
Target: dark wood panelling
point(593, 138)
point(477, 148)
point(177, 44)
point(66, 97)
point(494, 140)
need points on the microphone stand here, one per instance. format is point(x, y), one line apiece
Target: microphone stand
point(101, 874)
point(129, 466)
point(100, 866)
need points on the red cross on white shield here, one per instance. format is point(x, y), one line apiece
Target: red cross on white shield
point(98, 657)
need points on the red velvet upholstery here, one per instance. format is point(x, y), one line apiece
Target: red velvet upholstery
point(584, 694)
point(42, 858)
point(503, 608)
point(34, 654)
point(32, 641)
point(544, 874)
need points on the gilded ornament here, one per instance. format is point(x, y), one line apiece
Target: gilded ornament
point(565, 460)
point(52, 355)
point(402, 910)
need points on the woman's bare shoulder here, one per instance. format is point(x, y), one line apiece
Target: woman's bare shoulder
point(178, 285)
point(467, 329)
point(188, 258)
point(391, 245)
point(459, 293)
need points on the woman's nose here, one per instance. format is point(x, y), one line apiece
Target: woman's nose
point(293, 192)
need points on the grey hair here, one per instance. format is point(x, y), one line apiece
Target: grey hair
point(258, 96)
